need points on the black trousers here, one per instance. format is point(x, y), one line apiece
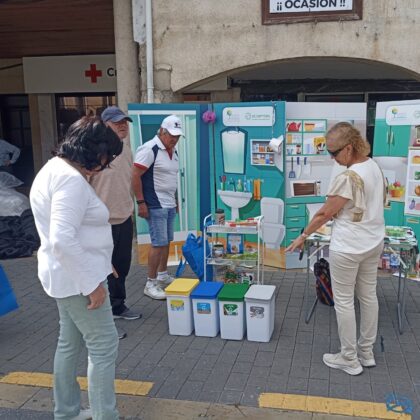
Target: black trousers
point(122, 236)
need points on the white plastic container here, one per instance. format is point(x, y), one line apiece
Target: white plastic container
point(232, 311)
point(206, 308)
point(260, 307)
point(178, 303)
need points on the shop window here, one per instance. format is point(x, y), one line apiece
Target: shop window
point(71, 108)
point(196, 97)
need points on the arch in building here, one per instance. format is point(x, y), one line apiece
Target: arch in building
point(309, 69)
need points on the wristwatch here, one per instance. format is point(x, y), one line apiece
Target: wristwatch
point(140, 201)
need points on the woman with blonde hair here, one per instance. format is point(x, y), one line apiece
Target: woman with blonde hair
point(355, 203)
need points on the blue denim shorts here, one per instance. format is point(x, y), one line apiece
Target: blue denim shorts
point(161, 226)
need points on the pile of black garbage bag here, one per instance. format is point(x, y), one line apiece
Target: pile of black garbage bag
point(18, 236)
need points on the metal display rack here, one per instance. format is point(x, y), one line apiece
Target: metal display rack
point(255, 264)
point(317, 242)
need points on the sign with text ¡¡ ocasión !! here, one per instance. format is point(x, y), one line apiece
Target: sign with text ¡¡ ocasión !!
point(289, 11)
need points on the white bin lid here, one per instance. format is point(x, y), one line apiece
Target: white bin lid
point(260, 292)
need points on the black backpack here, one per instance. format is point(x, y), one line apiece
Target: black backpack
point(323, 282)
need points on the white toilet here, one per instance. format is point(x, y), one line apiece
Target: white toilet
point(273, 230)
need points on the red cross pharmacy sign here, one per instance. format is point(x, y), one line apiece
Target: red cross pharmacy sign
point(93, 73)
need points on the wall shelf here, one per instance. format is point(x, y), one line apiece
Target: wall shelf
point(261, 153)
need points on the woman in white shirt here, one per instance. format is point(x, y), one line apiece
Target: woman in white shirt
point(356, 204)
point(73, 264)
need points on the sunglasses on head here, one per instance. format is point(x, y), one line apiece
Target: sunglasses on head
point(336, 152)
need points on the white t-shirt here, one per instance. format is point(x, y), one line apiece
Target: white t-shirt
point(72, 222)
point(160, 181)
point(353, 237)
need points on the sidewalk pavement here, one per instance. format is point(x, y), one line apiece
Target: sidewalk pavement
point(22, 402)
point(216, 371)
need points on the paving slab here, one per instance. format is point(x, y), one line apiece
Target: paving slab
point(212, 370)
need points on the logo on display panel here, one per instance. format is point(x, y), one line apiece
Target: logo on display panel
point(248, 116)
point(403, 114)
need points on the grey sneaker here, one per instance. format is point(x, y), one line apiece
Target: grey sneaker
point(165, 280)
point(337, 361)
point(366, 358)
point(128, 314)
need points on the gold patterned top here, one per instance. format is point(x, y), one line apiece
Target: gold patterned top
point(350, 185)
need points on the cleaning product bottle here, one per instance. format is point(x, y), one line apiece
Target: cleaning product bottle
point(249, 185)
point(239, 186)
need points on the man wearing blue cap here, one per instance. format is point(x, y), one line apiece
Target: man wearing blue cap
point(113, 187)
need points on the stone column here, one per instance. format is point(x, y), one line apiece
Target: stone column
point(126, 55)
point(43, 127)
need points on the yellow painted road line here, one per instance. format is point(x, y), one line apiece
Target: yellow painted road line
point(329, 406)
point(45, 380)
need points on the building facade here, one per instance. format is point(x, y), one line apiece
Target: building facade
point(79, 56)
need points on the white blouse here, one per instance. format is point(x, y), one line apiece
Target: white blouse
point(76, 238)
point(359, 226)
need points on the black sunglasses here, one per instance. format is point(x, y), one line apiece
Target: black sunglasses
point(336, 152)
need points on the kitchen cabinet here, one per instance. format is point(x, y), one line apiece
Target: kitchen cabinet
point(306, 137)
point(391, 140)
point(295, 221)
point(394, 213)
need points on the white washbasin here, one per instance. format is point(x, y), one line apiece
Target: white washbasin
point(235, 200)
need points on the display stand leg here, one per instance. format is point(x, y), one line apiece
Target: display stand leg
point(309, 309)
point(401, 301)
point(401, 292)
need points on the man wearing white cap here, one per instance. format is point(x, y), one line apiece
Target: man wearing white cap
point(155, 176)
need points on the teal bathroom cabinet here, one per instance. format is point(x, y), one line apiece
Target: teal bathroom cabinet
point(391, 140)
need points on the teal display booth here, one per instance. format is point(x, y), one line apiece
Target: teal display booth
point(243, 160)
point(194, 174)
point(240, 162)
point(396, 149)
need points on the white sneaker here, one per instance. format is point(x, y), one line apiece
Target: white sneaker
point(337, 361)
point(153, 290)
point(84, 415)
point(366, 358)
point(166, 279)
